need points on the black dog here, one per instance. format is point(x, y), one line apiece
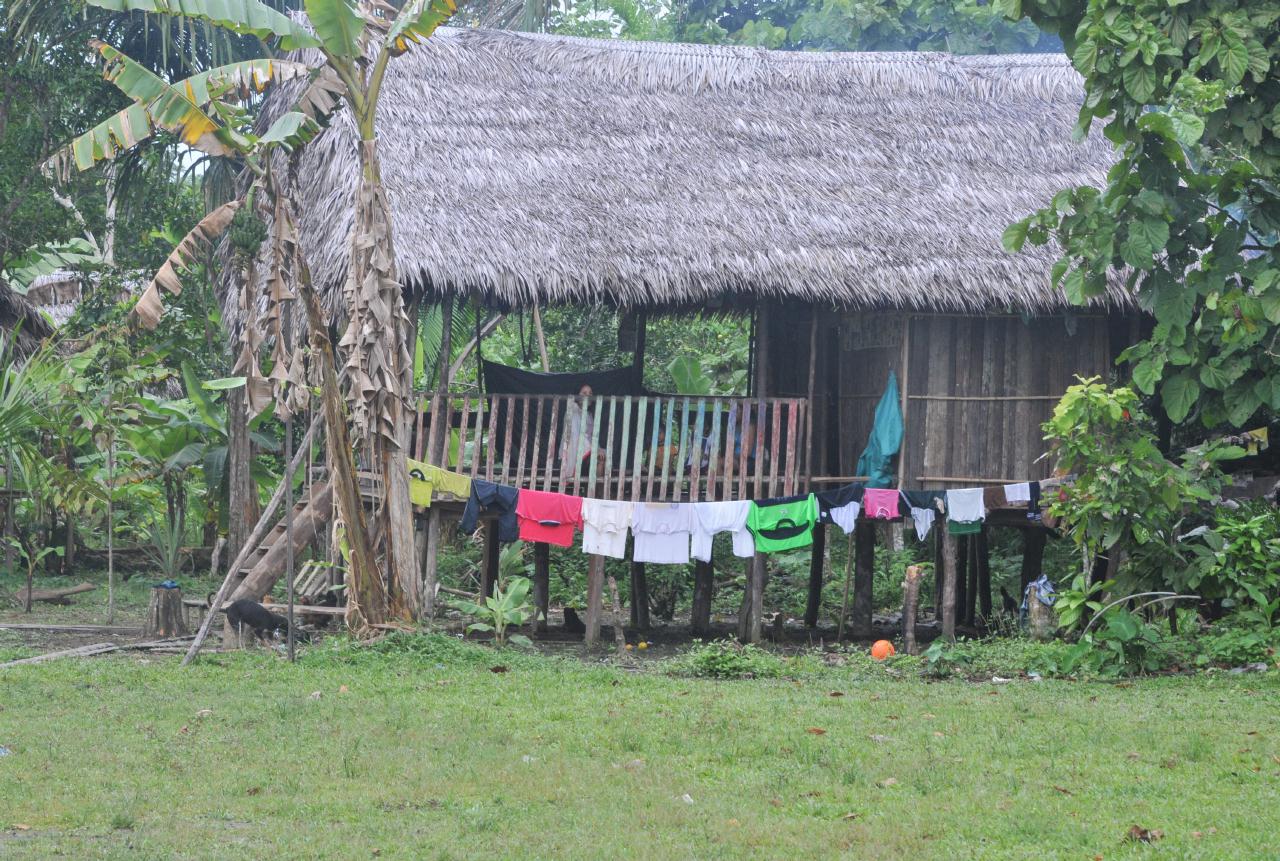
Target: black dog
point(250, 615)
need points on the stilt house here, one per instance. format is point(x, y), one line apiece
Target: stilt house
point(847, 208)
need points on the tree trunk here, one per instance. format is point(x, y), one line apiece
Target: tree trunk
point(366, 591)
point(1033, 543)
point(242, 507)
point(492, 559)
point(164, 615)
point(983, 564)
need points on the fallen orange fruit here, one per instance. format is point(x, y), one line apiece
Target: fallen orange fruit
point(882, 649)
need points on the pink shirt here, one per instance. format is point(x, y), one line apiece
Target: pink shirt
point(880, 503)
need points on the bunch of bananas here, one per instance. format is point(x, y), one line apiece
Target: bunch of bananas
point(247, 232)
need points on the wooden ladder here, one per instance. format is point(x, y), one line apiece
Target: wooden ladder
point(277, 532)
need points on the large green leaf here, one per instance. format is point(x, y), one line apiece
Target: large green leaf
point(290, 131)
point(1179, 394)
point(157, 103)
point(46, 259)
point(338, 24)
point(246, 17)
point(417, 21)
point(240, 80)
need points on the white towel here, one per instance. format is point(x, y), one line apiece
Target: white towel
point(965, 506)
point(1014, 493)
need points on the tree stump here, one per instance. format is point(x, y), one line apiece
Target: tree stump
point(165, 615)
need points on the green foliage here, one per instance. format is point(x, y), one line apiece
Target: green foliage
point(1240, 559)
point(959, 26)
point(1123, 644)
point(507, 607)
point(1236, 645)
point(1189, 95)
point(1076, 605)
point(1005, 657)
point(727, 659)
point(1126, 493)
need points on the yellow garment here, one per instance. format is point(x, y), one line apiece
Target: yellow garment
point(1256, 440)
point(425, 479)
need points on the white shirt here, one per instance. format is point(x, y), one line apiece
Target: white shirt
point(1014, 493)
point(604, 527)
point(965, 506)
point(662, 531)
point(712, 518)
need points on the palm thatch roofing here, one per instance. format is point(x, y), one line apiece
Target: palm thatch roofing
point(538, 169)
point(22, 326)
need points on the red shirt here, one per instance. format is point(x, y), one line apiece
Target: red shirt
point(548, 517)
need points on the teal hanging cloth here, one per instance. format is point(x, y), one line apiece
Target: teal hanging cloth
point(885, 440)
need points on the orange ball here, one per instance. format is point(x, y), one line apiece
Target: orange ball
point(882, 649)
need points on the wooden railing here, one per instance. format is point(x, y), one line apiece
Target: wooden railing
point(638, 448)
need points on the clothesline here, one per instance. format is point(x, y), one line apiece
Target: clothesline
point(675, 532)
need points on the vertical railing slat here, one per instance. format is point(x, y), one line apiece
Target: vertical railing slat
point(524, 439)
point(695, 455)
point(775, 448)
point(681, 460)
point(729, 453)
point(637, 475)
point(608, 448)
point(789, 475)
point(666, 449)
point(593, 457)
point(576, 439)
point(652, 467)
point(419, 443)
point(464, 422)
point(744, 445)
point(507, 439)
point(713, 456)
point(553, 449)
point(490, 449)
point(537, 442)
point(622, 452)
point(758, 449)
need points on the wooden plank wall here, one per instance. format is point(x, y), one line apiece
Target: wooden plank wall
point(1014, 370)
point(867, 346)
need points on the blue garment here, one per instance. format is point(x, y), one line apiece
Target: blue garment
point(1045, 594)
point(496, 498)
point(876, 462)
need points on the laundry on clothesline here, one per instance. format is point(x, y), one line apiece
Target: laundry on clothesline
point(605, 523)
point(785, 523)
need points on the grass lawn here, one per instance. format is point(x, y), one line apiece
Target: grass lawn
point(430, 754)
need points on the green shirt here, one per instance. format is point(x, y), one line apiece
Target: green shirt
point(784, 524)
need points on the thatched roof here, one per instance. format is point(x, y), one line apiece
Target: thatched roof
point(533, 168)
point(21, 323)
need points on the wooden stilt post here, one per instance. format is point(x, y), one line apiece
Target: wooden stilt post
point(492, 552)
point(703, 589)
point(864, 548)
point(938, 538)
point(949, 578)
point(639, 597)
point(541, 584)
point(619, 636)
point(595, 598)
point(817, 560)
point(431, 564)
point(744, 610)
point(971, 591)
point(848, 581)
point(910, 604)
point(962, 578)
point(1033, 542)
point(983, 559)
point(759, 578)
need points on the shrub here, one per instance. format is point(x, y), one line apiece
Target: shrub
point(1234, 646)
point(995, 657)
point(725, 659)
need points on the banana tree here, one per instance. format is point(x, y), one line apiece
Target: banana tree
point(357, 39)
